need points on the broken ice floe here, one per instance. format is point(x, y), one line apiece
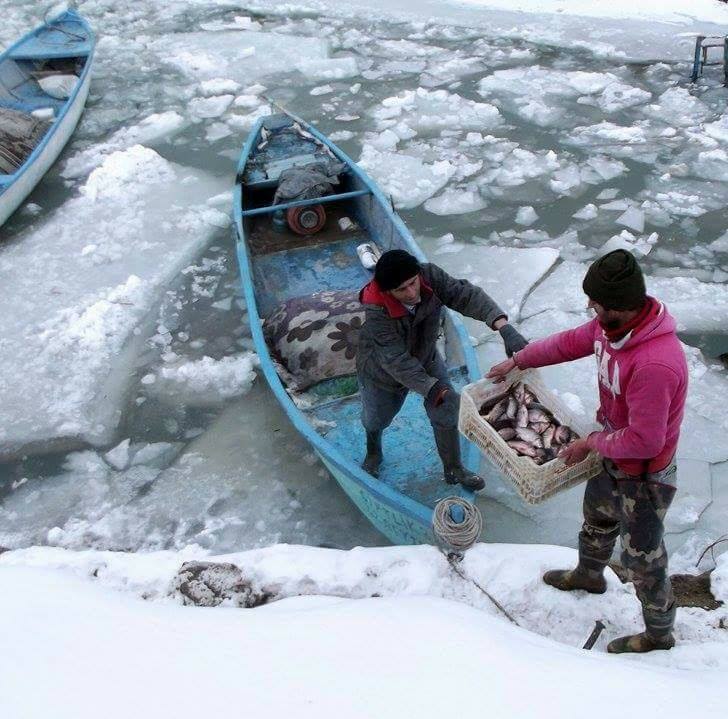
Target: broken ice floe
point(245, 56)
point(101, 260)
point(536, 94)
point(407, 179)
point(202, 108)
point(150, 131)
point(205, 382)
point(456, 201)
point(427, 111)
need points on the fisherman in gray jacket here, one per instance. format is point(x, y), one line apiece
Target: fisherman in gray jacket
point(397, 352)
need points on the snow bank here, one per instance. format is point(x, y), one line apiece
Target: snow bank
point(359, 609)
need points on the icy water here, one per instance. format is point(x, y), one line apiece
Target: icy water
point(483, 141)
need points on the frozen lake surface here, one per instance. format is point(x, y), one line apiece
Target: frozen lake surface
point(516, 147)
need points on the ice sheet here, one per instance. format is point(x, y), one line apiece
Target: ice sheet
point(427, 111)
point(697, 306)
point(537, 94)
point(246, 56)
point(506, 273)
point(150, 131)
point(91, 272)
point(408, 179)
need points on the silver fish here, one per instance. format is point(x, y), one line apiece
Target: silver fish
point(522, 447)
point(539, 427)
point(497, 411)
point(548, 436)
point(562, 435)
point(528, 435)
point(537, 415)
point(491, 402)
point(512, 408)
point(519, 392)
point(507, 433)
point(522, 416)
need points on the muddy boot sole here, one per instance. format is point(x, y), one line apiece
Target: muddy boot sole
point(639, 644)
point(568, 580)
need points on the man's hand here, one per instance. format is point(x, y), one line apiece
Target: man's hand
point(438, 394)
point(499, 371)
point(513, 340)
point(574, 452)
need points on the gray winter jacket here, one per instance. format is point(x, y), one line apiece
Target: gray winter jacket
point(396, 348)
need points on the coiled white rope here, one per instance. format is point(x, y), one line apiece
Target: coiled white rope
point(456, 523)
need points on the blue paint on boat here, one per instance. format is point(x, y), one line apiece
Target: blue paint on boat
point(66, 38)
point(400, 503)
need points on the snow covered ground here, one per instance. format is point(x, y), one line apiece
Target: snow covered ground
point(518, 140)
point(385, 632)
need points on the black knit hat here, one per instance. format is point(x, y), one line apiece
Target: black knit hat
point(615, 281)
point(395, 267)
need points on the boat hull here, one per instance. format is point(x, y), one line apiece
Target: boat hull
point(399, 527)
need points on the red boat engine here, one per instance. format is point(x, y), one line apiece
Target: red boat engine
point(306, 220)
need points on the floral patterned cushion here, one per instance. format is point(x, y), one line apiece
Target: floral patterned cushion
point(315, 337)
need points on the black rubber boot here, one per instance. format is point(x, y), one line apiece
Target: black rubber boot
point(569, 580)
point(657, 634)
point(374, 453)
point(448, 447)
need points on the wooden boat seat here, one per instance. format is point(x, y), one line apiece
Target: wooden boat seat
point(270, 209)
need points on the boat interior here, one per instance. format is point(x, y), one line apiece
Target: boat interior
point(287, 265)
point(59, 48)
point(27, 111)
point(19, 87)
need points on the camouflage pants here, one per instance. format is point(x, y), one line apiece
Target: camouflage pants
point(633, 508)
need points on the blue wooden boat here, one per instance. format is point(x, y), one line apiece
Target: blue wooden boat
point(277, 265)
point(61, 46)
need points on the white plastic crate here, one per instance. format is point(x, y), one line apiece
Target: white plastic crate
point(533, 482)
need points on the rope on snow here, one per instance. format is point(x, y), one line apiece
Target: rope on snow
point(456, 523)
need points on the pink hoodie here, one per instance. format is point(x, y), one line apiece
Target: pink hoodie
point(643, 382)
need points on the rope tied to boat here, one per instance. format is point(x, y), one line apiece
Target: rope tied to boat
point(456, 523)
point(57, 8)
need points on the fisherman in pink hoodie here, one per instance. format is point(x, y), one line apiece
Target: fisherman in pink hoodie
point(643, 381)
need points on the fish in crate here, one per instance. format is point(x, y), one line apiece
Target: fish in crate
point(521, 430)
point(527, 426)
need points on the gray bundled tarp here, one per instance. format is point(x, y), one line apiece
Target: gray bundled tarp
point(307, 181)
point(20, 133)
